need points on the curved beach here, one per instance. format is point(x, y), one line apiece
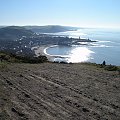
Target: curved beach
point(41, 50)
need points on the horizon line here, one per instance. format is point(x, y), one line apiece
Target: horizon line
point(63, 25)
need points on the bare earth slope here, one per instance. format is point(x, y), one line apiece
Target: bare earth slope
point(51, 91)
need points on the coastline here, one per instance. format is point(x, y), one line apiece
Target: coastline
point(41, 50)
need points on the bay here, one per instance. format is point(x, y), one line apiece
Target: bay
point(106, 48)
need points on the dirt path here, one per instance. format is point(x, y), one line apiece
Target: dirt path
point(52, 91)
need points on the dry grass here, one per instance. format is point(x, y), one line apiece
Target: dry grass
point(51, 91)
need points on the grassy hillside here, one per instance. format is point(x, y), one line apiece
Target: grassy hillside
point(12, 58)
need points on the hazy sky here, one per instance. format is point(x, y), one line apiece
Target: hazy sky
point(85, 13)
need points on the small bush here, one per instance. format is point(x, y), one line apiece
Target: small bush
point(104, 66)
point(56, 61)
point(25, 59)
point(119, 70)
point(111, 68)
point(3, 65)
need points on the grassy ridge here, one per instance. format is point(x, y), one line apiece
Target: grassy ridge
point(9, 57)
point(12, 58)
point(105, 67)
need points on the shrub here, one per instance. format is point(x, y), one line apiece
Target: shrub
point(42, 58)
point(25, 59)
point(3, 65)
point(111, 68)
point(9, 57)
point(119, 70)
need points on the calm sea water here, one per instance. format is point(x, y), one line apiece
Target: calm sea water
point(107, 48)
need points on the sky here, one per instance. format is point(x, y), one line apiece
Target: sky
point(80, 13)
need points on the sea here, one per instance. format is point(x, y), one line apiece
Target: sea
point(107, 47)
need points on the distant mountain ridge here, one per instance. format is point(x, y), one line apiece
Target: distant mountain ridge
point(14, 32)
point(17, 32)
point(50, 28)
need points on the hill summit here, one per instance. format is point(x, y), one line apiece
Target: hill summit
point(14, 32)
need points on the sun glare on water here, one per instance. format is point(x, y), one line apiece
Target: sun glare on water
point(80, 54)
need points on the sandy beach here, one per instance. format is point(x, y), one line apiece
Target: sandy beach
point(41, 50)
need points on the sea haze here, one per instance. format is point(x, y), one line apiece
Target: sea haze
point(106, 48)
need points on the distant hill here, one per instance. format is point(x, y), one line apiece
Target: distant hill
point(14, 32)
point(2, 26)
point(50, 28)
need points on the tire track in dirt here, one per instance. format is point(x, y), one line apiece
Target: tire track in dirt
point(41, 91)
point(46, 105)
point(83, 96)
